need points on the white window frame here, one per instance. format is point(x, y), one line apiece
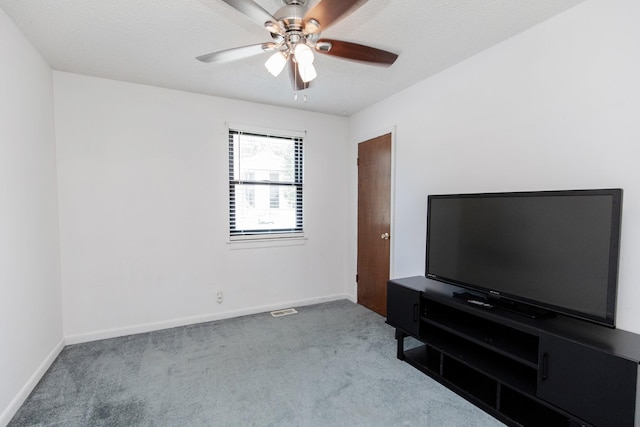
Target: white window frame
point(276, 237)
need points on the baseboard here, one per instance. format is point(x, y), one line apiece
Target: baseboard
point(155, 326)
point(22, 395)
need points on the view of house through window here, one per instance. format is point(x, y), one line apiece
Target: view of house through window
point(265, 184)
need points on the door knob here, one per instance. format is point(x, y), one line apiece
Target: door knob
point(384, 236)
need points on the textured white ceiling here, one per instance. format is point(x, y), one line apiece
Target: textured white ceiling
point(155, 42)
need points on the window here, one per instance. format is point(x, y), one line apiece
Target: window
point(265, 185)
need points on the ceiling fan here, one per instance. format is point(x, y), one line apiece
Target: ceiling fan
point(296, 35)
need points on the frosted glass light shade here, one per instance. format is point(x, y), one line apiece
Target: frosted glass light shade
point(307, 72)
point(276, 62)
point(303, 54)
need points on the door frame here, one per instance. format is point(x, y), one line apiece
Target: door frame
point(392, 198)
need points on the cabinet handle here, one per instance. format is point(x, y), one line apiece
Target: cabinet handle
point(415, 312)
point(545, 365)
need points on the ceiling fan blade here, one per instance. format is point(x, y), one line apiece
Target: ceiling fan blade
point(296, 79)
point(251, 9)
point(356, 52)
point(327, 12)
point(237, 53)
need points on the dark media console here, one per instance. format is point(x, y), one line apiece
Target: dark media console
point(545, 371)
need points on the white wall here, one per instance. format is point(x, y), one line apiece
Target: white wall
point(143, 206)
point(556, 107)
point(30, 301)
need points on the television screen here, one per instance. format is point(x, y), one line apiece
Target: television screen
point(554, 249)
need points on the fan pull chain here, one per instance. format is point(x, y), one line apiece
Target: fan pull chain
point(295, 97)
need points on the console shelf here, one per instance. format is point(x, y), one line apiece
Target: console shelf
point(555, 371)
point(507, 341)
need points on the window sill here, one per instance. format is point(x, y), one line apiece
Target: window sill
point(253, 242)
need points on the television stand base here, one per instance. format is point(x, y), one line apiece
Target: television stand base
point(525, 310)
point(475, 300)
point(490, 303)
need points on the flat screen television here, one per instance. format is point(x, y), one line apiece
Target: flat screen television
point(555, 250)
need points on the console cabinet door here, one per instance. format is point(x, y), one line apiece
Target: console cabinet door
point(402, 308)
point(594, 385)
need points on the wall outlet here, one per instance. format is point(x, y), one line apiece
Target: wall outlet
point(219, 297)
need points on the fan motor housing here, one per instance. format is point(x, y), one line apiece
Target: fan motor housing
point(299, 2)
point(291, 16)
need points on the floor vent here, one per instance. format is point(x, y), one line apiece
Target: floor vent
point(286, 311)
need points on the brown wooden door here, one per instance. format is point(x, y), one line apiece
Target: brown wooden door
point(374, 206)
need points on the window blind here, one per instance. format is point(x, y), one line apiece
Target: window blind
point(265, 184)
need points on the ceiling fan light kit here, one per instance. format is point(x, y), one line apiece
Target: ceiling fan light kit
point(307, 72)
point(303, 54)
point(296, 34)
point(275, 64)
